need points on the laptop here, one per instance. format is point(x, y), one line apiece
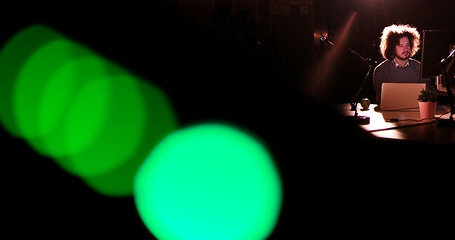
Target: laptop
point(401, 96)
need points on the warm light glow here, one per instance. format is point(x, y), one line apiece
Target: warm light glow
point(319, 81)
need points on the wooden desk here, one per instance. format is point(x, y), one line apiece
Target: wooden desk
point(408, 127)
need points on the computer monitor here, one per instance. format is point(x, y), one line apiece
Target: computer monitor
point(437, 45)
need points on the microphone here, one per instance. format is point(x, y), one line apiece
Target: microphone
point(325, 39)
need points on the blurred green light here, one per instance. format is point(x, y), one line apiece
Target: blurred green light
point(101, 137)
point(209, 181)
point(13, 55)
point(160, 122)
point(94, 118)
point(36, 85)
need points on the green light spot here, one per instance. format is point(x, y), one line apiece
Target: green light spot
point(120, 133)
point(33, 81)
point(13, 55)
point(94, 118)
point(160, 121)
point(55, 105)
point(86, 116)
point(209, 181)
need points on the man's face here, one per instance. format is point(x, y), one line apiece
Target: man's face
point(403, 49)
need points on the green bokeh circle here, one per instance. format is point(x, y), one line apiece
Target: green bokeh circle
point(209, 181)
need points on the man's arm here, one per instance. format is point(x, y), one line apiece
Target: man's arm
point(379, 76)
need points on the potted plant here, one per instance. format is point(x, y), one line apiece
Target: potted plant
point(427, 104)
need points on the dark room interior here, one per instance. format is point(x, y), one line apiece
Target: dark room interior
point(277, 69)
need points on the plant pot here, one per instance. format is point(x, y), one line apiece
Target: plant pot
point(427, 109)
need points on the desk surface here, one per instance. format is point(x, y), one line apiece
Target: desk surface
point(408, 127)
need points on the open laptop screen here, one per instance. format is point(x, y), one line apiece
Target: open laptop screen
point(400, 96)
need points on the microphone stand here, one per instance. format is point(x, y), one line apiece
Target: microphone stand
point(362, 120)
point(447, 73)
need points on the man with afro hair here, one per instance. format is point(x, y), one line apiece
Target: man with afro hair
point(398, 44)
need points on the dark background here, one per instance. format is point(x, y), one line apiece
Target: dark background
point(246, 64)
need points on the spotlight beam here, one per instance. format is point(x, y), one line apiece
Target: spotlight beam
point(319, 82)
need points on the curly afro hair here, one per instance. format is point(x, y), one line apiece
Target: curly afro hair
point(391, 36)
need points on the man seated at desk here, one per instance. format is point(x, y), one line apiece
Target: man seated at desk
point(398, 44)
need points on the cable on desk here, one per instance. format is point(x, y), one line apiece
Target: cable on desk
point(409, 119)
point(401, 109)
point(443, 114)
point(417, 120)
